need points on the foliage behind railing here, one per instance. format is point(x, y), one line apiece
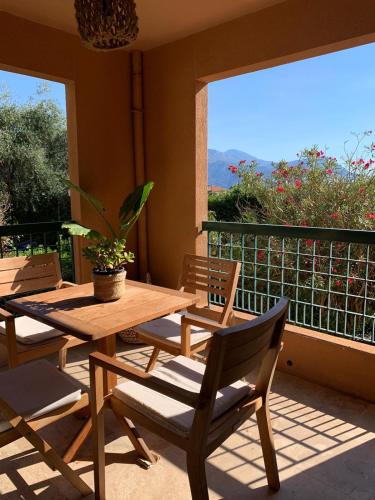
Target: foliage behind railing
point(38, 238)
point(329, 274)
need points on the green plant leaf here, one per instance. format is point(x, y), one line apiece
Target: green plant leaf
point(132, 207)
point(94, 202)
point(75, 229)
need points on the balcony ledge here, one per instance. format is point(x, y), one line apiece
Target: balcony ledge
point(341, 364)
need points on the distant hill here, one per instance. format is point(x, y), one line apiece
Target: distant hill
point(218, 162)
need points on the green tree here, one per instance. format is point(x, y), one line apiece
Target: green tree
point(33, 159)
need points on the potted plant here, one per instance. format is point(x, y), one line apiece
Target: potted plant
point(107, 253)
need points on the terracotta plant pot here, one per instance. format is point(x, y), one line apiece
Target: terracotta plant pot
point(109, 286)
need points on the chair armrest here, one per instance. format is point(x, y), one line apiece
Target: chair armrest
point(205, 312)
point(67, 284)
point(147, 379)
point(206, 323)
point(5, 315)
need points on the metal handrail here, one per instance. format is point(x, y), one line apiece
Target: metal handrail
point(314, 233)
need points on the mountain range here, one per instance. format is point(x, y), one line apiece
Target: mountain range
point(218, 162)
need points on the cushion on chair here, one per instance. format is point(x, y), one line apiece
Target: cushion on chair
point(30, 331)
point(35, 389)
point(169, 328)
point(181, 372)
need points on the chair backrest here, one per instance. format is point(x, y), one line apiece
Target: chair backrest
point(213, 276)
point(26, 274)
point(240, 350)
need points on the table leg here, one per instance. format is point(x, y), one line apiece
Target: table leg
point(107, 345)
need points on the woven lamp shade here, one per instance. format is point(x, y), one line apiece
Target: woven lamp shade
point(106, 24)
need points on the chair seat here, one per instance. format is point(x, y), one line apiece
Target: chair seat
point(181, 372)
point(169, 328)
point(29, 331)
point(35, 389)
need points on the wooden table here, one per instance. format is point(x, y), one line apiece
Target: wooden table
point(75, 311)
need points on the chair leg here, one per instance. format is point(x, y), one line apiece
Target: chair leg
point(97, 414)
point(268, 447)
point(52, 458)
point(136, 439)
point(62, 359)
point(77, 442)
point(153, 359)
point(197, 477)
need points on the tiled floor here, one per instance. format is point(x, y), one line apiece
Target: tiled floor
point(325, 442)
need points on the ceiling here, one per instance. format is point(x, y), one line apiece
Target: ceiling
point(160, 21)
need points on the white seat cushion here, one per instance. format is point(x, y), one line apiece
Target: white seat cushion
point(178, 417)
point(169, 328)
point(35, 389)
point(29, 331)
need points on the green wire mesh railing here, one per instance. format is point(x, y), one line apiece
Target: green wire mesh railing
point(328, 274)
point(39, 238)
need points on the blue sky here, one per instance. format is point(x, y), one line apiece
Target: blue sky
point(23, 87)
point(274, 113)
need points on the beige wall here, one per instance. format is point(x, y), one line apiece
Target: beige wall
point(99, 86)
point(176, 148)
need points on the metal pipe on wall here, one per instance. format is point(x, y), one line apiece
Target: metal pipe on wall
point(139, 158)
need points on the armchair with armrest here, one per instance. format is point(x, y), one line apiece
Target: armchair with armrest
point(25, 338)
point(189, 332)
point(195, 406)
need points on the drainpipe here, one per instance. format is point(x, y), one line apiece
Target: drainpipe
point(139, 158)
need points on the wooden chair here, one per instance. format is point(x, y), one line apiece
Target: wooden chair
point(193, 406)
point(33, 396)
point(24, 337)
point(189, 332)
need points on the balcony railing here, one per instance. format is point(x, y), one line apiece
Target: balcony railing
point(39, 238)
point(329, 274)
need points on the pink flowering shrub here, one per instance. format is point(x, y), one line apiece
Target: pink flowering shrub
point(315, 191)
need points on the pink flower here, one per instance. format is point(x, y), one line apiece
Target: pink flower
point(366, 166)
point(370, 215)
point(335, 215)
point(280, 189)
point(298, 183)
point(309, 243)
point(259, 174)
point(350, 281)
point(362, 189)
point(242, 162)
point(338, 282)
point(329, 171)
point(233, 169)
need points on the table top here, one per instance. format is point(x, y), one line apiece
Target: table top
point(75, 311)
